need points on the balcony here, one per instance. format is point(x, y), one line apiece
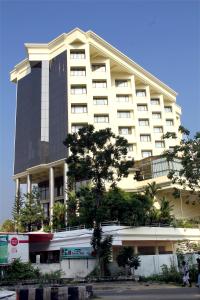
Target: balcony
point(154, 167)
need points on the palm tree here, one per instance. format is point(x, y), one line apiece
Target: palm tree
point(151, 190)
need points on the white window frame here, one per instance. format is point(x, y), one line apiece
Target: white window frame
point(122, 98)
point(169, 122)
point(101, 118)
point(142, 107)
point(146, 122)
point(99, 67)
point(159, 144)
point(158, 129)
point(100, 101)
point(130, 148)
point(78, 90)
point(168, 109)
point(99, 84)
point(156, 115)
point(125, 130)
point(77, 54)
point(79, 71)
point(146, 153)
point(145, 138)
point(78, 109)
point(122, 82)
point(126, 114)
point(141, 92)
point(75, 128)
point(155, 101)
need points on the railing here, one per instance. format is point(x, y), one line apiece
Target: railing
point(112, 223)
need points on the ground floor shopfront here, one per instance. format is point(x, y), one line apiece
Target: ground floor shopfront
point(71, 251)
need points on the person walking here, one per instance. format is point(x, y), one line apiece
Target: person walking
point(186, 274)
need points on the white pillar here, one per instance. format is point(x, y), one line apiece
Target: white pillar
point(65, 186)
point(51, 192)
point(135, 250)
point(156, 250)
point(17, 187)
point(29, 184)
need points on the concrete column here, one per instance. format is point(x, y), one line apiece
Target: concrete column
point(65, 182)
point(17, 187)
point(135, 250)
point(156, 250)
point(65, 186)
point(51, 192)
point(29, 184)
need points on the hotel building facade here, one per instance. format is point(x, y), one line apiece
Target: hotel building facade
point(77, 79)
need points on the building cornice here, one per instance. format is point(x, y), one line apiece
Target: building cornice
point(38, 51)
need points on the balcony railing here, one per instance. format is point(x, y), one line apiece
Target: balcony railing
point(153, 167)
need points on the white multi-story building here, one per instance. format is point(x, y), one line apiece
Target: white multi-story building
point(77, 79)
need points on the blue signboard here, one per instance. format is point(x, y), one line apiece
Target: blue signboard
point(77, 253)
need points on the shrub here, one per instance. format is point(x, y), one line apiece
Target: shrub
point(18, 270)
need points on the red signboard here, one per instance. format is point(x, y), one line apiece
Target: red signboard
point(14, 241)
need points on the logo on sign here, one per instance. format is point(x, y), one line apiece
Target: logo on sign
point(14, 241)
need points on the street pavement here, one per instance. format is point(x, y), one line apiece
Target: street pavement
point(134, 291)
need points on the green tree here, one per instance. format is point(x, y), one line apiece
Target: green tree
point(126, 258)
point(151, 190)
point(59, 211)
point(16, 212)
point(188, 152)
point(165, 216)
point(8, 226)
point(97, 156)
point(31, 213)
point(103, 250)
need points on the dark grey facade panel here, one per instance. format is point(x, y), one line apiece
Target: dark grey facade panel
point(27, 140)
point(58, 106)
point(29, 149)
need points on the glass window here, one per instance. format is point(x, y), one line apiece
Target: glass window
point(78, 89)
point(121, 82)
point(124, 114)
point(125, 130)
point(122, 98)
point(76, 127)
point(158, 129)
point(169, 122)
point(156, 115)
point(99, 67)
point(146, 153)
point(79, 109)
point(143, 122)
point(101, 119)
point(99, 84)
point(159, 144)
point(77, 54)
point(142, 107)
point(155, 101)
point(130, 147)
point(145, 138)
point(46, 210)
point(77, 71)
point(168, 109)
point(100, 101)
point(141, 93)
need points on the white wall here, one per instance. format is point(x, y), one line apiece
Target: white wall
point(151, 264)
point(71, 268)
